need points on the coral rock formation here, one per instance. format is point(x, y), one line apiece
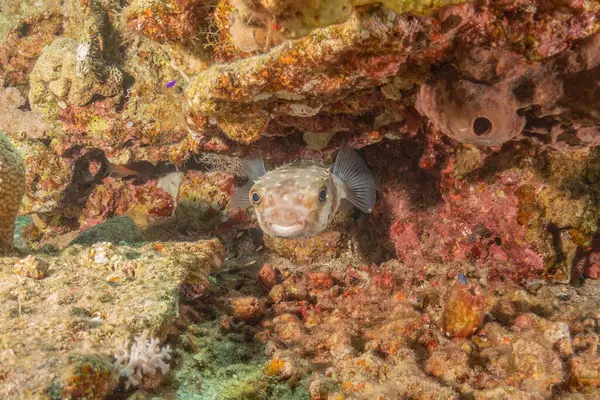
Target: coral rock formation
point(298, 18)
point(61, 328)
point(318, 76)
point(71, 73)
point(489, 96)
point(168, 20)
point(12, 189)
point(54, 82)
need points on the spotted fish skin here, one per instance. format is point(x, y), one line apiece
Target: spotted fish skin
point(300, 199)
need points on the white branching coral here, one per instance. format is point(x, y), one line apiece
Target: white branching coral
point(144, 357)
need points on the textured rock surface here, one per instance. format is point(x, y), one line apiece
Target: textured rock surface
point(485, 106)
point(61, 329)
point(326, 74)
point(357, 331)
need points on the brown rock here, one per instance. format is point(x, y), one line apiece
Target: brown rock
point(319, 280)
point(288, 328)
point(226, 323)
point(296, 288)
point(267, 276)
point(277, 294)
point(584, 371)
point(325, 245)
point(464, 309)
point(449, 364)
point(536, 364)
point(31, 267)
point(246, 308)
point(586, 343)
point(320, 388)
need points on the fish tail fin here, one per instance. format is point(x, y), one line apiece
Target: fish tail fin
point(353, 171)
point(254, 167)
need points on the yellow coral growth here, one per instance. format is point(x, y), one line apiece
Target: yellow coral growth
point(12, 190)
point(298, 18)
point(418, 7)
point(275, 366)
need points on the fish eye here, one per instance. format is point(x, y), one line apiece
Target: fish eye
point(322, 195)
point(255, 198)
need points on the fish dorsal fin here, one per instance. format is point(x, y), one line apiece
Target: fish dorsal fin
point(254, 167)
point(353, 171)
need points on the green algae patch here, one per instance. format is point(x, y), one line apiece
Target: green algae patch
point(98, 126)
point(121, 229)
point(226, 366)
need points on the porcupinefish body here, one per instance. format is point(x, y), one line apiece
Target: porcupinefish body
point(301, 198)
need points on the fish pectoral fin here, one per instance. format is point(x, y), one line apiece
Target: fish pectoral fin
point(353, 171)
point(346, 205)
point(254, 167)
point(241, 196)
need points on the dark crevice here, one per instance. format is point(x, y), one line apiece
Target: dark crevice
point(482, 126)
point(26, 106)
point(24, 30)
point(452, 22)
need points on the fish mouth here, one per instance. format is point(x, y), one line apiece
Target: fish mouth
point(287, 230)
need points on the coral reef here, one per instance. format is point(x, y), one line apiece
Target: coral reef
point(71, 73)
point(475, 276)
point(394, 55)
point(168, 20)
point(358, 331)
point(22, 38)
point(15, 122)
point(483, 106)
point(298, 18)
point(501, 212)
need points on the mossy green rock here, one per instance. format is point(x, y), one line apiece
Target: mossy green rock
point(114, 230)
point(60, 329)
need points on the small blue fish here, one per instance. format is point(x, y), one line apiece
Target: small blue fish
point(171, 84)
point(300, 199)
point(462, 279)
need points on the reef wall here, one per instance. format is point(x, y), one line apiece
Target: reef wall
point(121, 109)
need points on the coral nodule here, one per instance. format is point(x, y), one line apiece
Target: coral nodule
point(12, 190)
point(71, 73)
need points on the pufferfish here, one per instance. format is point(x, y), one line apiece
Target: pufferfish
point(301, 198)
